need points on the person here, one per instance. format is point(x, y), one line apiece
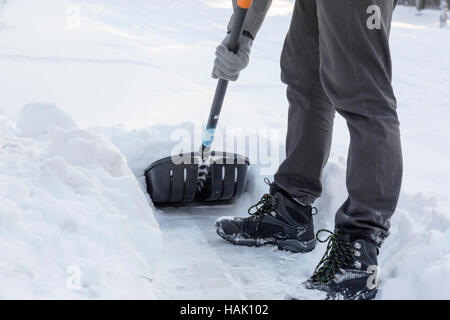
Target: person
point(336, 57)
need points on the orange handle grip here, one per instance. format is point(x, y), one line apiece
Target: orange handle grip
point(244, 4)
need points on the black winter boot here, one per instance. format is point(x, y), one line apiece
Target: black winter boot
point(348, 270)
point(276, 219)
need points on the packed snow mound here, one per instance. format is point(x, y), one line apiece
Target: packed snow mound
point(415, 259)
point(7, 126)
point(82, 148)
point(141, 147)
point(73, 219)
point(35, 118)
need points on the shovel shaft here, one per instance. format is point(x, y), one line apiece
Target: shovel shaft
point(222, 85)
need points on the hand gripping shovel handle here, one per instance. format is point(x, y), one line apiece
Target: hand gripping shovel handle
point(222, 85)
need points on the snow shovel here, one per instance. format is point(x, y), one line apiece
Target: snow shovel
point(203, 175)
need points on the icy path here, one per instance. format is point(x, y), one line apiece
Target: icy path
point(197, 264)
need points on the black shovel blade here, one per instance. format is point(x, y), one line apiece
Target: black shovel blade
point(174, 180)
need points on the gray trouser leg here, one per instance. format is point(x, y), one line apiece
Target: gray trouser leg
point(311, 114)
point(355, 73)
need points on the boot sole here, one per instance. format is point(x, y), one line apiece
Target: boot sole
point(368, 295)
point(295, 246)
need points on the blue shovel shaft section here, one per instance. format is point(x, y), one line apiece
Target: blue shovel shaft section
point(222, 85)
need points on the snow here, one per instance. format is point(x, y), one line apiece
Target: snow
point(70, 203)
point(136, 78)
point(34, 119)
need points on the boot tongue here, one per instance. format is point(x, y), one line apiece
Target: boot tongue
point(344, 237)
point(273, 188)
point(348, 237)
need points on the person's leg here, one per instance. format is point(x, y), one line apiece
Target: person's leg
point(356, 76)
point(278, 218)
point(311, 114)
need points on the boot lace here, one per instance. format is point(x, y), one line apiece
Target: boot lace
point(337, 256)
point(266, 205)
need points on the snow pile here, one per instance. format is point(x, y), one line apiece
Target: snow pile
point(415, 260)
point(73, 220)
point(34, 119)
point(7, 126)
point(143, 146)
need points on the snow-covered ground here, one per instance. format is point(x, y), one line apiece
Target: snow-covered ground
point(133, 72)
point(73, 220)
